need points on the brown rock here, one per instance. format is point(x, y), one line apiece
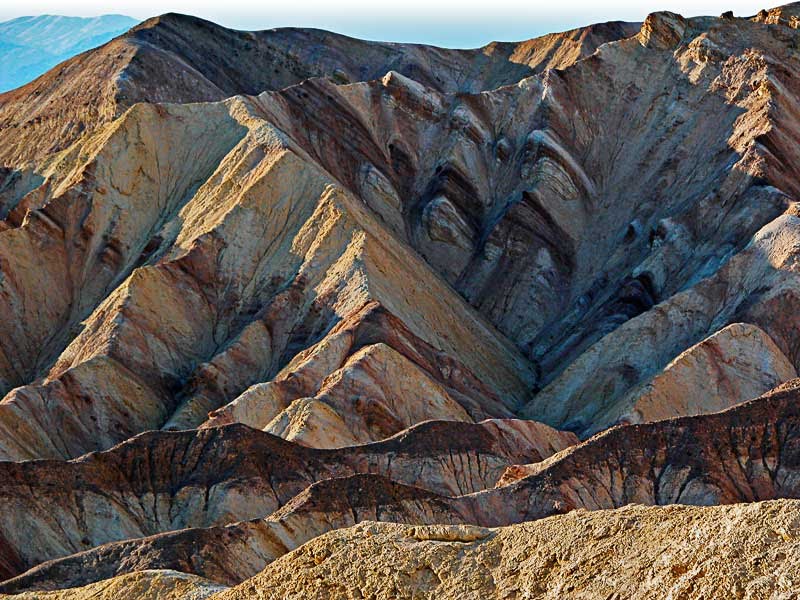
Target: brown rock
point(336, 241)
point(159, 482)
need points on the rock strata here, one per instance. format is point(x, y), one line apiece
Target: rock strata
point(257, 288)
point(735, 364)
point(160, 482)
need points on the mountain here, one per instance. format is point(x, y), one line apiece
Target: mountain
point(177, 58)
point(30, 46)
point(654, 549)
point(261, 289)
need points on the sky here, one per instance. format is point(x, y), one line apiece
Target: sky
point(452, 23)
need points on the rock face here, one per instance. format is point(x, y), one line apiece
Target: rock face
point(142, 585)
point(746, 551)
point(748, 453)
point(160, 482)
point(177, 58)
point(256, 287)
point(243, 287)
point(735, 364)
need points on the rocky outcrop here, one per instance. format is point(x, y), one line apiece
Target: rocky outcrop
point(503, 218)
point(788, 15)
point(744, 454)
point(691, 552)
point(698, 552)
point(244, 287)
point(735, 364)
point(748, 453)
point(141, 585)
point(159, 482)
point(739, 286)
point(662, 31)
point(237, 551)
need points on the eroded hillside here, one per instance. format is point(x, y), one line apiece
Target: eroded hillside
point(260, 287)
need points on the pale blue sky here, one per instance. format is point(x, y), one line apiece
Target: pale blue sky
point(445, 22)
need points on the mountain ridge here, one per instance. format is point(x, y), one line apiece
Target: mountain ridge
point(257, 288)
point(159, 43)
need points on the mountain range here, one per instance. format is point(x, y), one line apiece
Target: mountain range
point(287, 314)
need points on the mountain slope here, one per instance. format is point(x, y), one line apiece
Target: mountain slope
point(637, 552)
point(278, 283)
point(748, 453)
point(695, 552)
point(161, 482)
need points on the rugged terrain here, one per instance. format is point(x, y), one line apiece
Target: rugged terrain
point(260, 288)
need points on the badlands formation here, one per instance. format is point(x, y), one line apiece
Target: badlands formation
point(286, 314)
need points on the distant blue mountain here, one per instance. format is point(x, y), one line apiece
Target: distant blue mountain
point(30, 46)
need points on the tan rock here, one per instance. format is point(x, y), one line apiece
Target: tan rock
point(620, 361)
point(747, 551)
point(735, 364)
point(698, 552)
point(375, 394)
point(313, 423)
point(140, 585)
point(286, 228)
point(662, 31)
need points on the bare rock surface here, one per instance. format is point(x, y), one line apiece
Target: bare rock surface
point(232, 553)
point(514, 204)
point(695, 552)
point(749, 453)
point(160, 482)
point(179, 58)
point(240, 289)
point(257, 287)
point(141, 585)
point(735, 364)
point(744, 551)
